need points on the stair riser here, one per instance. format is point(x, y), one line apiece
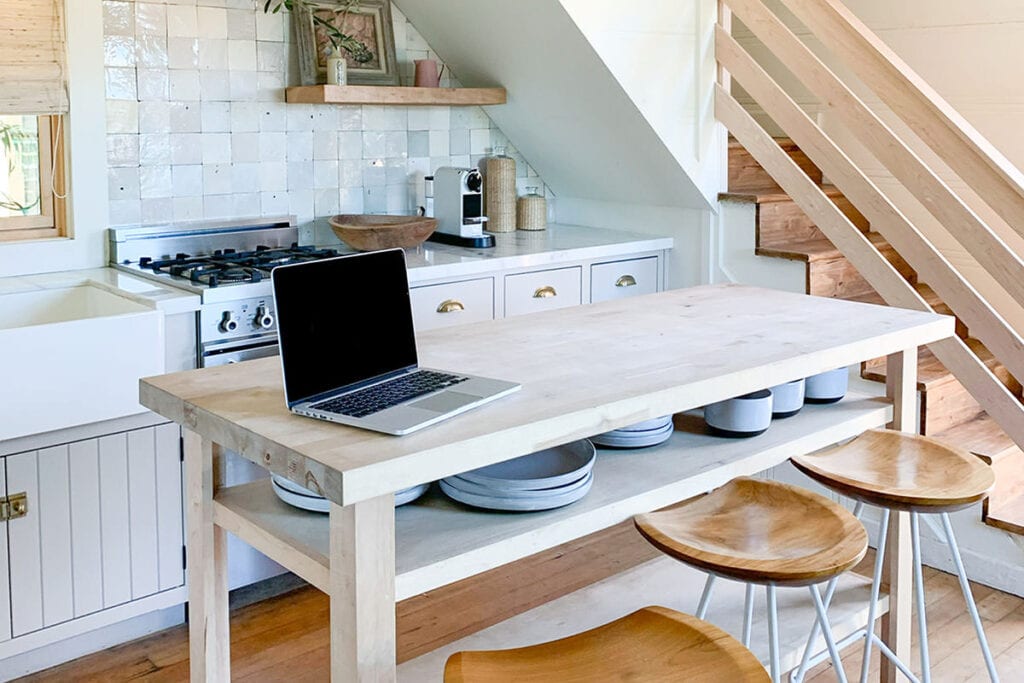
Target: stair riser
point(746, 174)
point(947, 407)
point(781, 222)
point(839, 279)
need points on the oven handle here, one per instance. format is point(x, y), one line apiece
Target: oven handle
point(224, 354)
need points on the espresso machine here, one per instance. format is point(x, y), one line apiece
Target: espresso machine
point(456, 196)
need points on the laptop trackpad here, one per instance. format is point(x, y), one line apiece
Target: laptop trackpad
point(444, 402)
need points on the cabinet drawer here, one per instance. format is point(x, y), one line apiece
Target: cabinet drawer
point(543, 291)
point(452, 303)
point(619, 279)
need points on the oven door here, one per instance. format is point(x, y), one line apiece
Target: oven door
point(246, 565)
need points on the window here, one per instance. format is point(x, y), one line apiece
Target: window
point(33, 98)
point(31, 177)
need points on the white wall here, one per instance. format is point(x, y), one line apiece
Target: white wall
point(87, 184)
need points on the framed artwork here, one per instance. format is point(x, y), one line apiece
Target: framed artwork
point(368, 42)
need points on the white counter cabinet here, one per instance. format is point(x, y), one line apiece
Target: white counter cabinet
point(99, 538)
point(517, 291)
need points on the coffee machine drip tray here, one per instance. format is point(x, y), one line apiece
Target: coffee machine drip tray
point(484, 241)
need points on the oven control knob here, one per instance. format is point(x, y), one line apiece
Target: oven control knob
point(228, 322)
point(264, 318)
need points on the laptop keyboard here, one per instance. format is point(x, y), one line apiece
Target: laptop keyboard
point(387, 394)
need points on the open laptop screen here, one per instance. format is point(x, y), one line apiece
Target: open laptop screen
point(343, 320)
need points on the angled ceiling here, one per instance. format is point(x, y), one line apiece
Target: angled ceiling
point(567, 112)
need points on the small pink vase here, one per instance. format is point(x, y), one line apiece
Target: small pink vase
point(427, 74)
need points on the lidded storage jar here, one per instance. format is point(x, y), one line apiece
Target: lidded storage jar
point(500, 191)
point(532, 210)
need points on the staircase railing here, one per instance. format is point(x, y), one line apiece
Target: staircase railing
point(964, 150)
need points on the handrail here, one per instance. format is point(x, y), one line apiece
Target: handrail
point(993, 396)
point(880, 210)
point(997, 181)
point(942, 202)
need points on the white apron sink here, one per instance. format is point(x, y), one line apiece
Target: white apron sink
point(72, 356)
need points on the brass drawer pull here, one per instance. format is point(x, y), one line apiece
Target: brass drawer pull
point(545, 292)
point(450, 306)
point(626, 281)
point(13, 506)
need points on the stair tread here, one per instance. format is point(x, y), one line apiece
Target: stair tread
point(931, 373)
point(810, 250)
point(981, 436)
point(770, 193)
point(1005, 507)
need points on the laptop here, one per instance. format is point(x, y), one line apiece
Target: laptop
point(348, 347)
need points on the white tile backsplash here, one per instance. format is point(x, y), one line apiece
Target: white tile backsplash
point(197, 126)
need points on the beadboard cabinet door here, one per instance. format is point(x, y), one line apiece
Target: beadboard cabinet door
point(5, 596)
point(104, 525)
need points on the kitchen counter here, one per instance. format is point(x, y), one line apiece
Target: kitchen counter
point(524, 249)
point(588, 369)
point(169, 300)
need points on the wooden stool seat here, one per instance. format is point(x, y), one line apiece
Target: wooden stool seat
point(654, 644)
point(759, 531)
point(902, 472)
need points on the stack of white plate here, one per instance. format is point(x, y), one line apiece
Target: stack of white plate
point(301, 497)
point(540, 481)
point(640, 435)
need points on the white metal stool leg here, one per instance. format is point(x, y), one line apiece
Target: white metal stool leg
point(705, 597)
point(773, 633)
point(826, 631)
point(748, 614)
point(876, 581)
point(797, 675)
point(969, 598)
point(922, 617)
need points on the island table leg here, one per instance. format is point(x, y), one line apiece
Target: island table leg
point(206, 553)
point(362, 542)
point(901, 387)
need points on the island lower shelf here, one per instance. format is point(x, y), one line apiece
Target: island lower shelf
point(439, 541)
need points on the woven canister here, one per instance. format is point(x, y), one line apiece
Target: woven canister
point(500, 192)
point(532, 210)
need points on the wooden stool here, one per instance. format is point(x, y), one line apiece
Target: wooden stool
point(898, 471)
point(762, 532)
point(653, 645)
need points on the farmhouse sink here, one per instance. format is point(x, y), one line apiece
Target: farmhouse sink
point(73, 356)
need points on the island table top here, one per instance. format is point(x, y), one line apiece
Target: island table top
point(584, 370)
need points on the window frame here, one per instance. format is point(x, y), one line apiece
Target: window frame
point(52, 219)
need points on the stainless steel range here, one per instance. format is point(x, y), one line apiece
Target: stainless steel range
point(228, 265)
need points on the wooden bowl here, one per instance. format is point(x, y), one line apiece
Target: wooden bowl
point(364, 232)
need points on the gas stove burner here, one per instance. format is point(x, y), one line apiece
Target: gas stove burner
point(226, 266)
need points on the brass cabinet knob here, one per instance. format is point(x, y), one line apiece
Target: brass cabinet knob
point(626, 281)
point(545, 292)
point(450, 306)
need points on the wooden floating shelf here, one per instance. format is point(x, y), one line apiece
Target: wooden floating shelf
point(385, 94)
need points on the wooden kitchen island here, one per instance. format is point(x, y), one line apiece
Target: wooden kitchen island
point(584, 370)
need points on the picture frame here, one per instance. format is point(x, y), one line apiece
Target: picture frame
point(369, 21)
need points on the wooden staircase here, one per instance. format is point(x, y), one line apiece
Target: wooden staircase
point(948, 410)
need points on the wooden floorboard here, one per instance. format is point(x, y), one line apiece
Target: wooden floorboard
point(286, 637)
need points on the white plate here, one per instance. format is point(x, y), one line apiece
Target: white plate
point(287, 491)
point(642, 440)
point(545, 469)
point(518, 504)
point(475, 489)
point(646, 425)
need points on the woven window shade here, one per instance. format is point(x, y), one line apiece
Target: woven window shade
point(32, 57)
